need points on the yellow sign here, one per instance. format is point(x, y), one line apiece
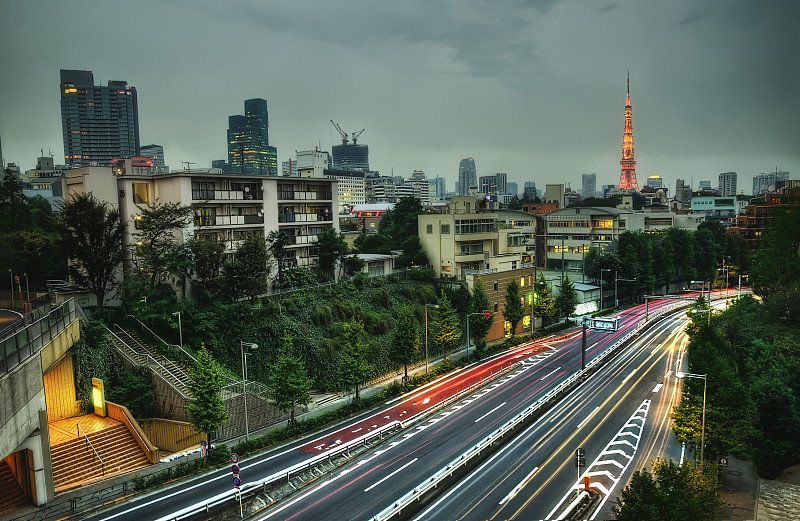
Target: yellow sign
point(98, 397)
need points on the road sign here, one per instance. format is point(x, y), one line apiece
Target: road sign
point(203, 448)
point(237, 482)
point(723, 462)
point(487, 314)
point(580, 457)
point(604, 324)
point(580, 462)
point(234, 458)
point(581, 452)
point(235, 469)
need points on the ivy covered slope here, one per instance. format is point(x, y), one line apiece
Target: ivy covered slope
point(315, 319)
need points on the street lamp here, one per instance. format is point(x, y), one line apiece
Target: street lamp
point(485, 313)
point(251, 345)
point(602, 281)
point(681, 375)
point(617, 279)
point(434, 306)
point(180, 327)
point(709, 310)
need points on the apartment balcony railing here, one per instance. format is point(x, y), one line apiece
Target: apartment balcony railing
point(224, 195)
point(299, 218)
point(228, 220)
point(304, 196)
point(472, 256)
point(487, 271)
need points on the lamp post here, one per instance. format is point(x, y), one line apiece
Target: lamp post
point(180, 327)
point(704, 311)
point(617, 279)
point(704, 377)
point(251, 345)
point(434, 306)
point(602, 283)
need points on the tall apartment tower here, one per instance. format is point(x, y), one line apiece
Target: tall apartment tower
point(99, 123)
point(588, 185)
point(627, 176)
point(156, 155)
point(467, 176)
point(249, 152)
point(727, 184)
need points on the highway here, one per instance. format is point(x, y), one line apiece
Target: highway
point(529, 372)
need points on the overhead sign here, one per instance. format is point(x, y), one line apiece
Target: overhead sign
point(604, 324)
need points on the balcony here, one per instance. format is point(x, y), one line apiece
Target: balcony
point(472, 256)
point(304, 240)
point(304, 196)
point(224, 195)
point(228, 220)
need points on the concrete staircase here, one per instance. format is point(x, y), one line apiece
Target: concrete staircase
point(74, 462)
point(130, 346)
point(11, 495)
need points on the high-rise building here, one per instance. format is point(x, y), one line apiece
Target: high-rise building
point(727, 184)
point(627, 176)
point(438, 187)
point(655, 182)
point(249, 152)
point(156, 155)
point(467, 176)
point(683, 192)
point(512, 188)
point(493, 184)
point(530, 190)
point(588, 185)
point(351, 156)
point(769, 182)
point(99, 123)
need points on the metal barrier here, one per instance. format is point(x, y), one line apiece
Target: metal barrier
point(90, 444)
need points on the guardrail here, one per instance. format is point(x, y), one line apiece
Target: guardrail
point(90, 444)
point(121, 413)
point(144, 326)
point(434, 480)
point(285, 474)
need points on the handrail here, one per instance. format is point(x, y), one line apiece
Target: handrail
point(135, 428)
point(146, 353)
point(161, 339)
point(89, 444)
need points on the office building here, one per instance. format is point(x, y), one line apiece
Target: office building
point(512, 188)
point(467, 176)
point(770, 182)
point(683, 192)
point(530, 191)
point(98, 123)
point(351, 156)
point(249, 152)
point(588, 185)
point(727, 184)
point(156, 155)
point(350, 187)
point(655, 182)
point(438, 188)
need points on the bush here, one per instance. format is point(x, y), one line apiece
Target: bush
point(377, 323)
point(427, 294)
point(382, 298)
point(322, 316)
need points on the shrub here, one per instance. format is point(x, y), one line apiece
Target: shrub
point(408, 293)
point(377, 323)
point(427, 294)
point(322, 316)
point(382, 298)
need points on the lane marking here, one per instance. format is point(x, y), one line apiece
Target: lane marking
point(550, 373)
point(490, 412)
point(658, 388)
point(587, 418)
point(519, 486)
point(389, 476)
point(629, 376)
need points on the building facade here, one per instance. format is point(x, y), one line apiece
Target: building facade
point(156, 155)
point(249, 152)
point(770, 182)
point(98, 123)
point(467, 176)
point(588, 185)
point(727, 184)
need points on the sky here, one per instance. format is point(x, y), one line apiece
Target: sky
point(532, 88)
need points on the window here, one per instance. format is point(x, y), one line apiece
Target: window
point(445, 228)
point(513, 265)
point(496, 307)
point(141, 193)
point(495, 288)
point(522, 282)
point(429, 228)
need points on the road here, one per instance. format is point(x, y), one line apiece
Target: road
point(539, 367)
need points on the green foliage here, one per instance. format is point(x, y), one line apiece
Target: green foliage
point(134, 389)
point(323, 315)
point(157, 247)
point(776, 266)
point(382, 297)
point(397, 230)
point(206, 409)
point(332, 249)
point(674, 492)
point(353, 367)
point(567, 299)
point(444, 330)
point(377, 323)
point(513, 310)
point(405, 338)
point(479, 325)
point(543, 304)
point(279, 241)
point(95, 357)
point(248, 274)
point(206, 260)
point(289, 384)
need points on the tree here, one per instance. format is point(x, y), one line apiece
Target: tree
point(206, 408)
point(249, 272)
point(206, 262)
point(93, 234)
point(544, 305)
point(332, 249)
point(567, 299)
point(445, 333)
point(354, 369)
point(278, 241)
point(674, 492)
point(157, 239)
point(776, 265)
point(513, 310)
point(289, 383)
point(479, 325)
point(399, 226)
point(405, 338)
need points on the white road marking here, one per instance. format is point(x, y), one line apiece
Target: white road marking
point(629, 376)
point(389, 476)
point(519, 486)
point(550, 373)
point(587, 418)
point(657, 388)
point(490, 412)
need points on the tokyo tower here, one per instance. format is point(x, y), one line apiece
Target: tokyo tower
point(627, 177)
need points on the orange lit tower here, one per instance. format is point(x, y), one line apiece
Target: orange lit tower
point(627, 177)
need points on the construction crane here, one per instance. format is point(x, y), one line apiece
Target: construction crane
point(341, 132)
point(355, 135)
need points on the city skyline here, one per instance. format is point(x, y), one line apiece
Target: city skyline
point(541, 99)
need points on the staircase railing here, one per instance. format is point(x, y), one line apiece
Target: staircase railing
point(89, 444)
point(146, 359)
point(144, 326)
point(121, 413)
point(175, 368)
